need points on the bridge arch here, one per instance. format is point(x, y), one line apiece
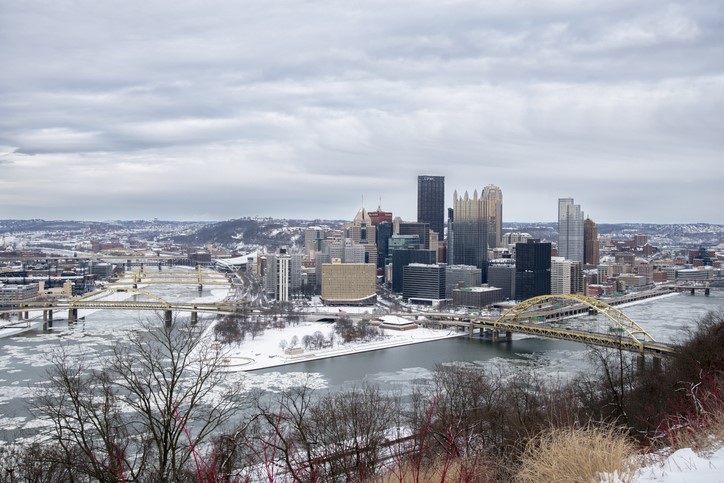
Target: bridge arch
point(136, 291)
point(618, 318)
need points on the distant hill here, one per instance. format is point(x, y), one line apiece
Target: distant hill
point(247, 234)
point(685, 235)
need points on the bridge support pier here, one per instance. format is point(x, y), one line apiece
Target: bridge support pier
point(72, 315)
point(194, 318)
point(167, 318)
point(640, 363)
point(707, 291)
point(693, 291)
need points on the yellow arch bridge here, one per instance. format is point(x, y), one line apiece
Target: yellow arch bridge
point(548, 316)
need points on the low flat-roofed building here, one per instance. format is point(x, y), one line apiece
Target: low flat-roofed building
point(349, 283)
point(477, 296)
point(502, 276)
point(424, 283)
point(12, 294)
point(394, 322)
point(693, 274)
point(459, 276)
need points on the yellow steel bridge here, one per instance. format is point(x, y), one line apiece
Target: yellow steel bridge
point(141, 300)
point(546, 316)
point(198, 277)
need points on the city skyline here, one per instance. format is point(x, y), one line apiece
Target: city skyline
point(220, 110)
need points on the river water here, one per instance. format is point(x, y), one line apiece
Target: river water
point(25, 359)
point(666, 319)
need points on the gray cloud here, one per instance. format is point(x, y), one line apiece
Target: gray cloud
point(214, 110)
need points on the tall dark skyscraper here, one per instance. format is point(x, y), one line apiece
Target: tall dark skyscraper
point(384, 232)
point(532, 269)
point(431, 202)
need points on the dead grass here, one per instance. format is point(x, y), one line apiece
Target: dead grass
point(577, 455)
point(444, 471)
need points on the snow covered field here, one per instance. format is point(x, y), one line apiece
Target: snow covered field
point(265, 350)
point(682, 466)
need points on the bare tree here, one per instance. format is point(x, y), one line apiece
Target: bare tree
point(353, 426)
point(307, 340)
point(285, 435)
point(141, 413)
point(230, 329)
point(319, 338)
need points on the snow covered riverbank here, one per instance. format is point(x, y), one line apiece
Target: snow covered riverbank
point(265, 350)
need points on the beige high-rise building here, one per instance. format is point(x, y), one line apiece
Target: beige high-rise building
point(349, 283)
point(566, 276)
point(363, 232)
point(493, 198)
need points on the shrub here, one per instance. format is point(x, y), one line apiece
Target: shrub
point(576, 455)
point(454, 470)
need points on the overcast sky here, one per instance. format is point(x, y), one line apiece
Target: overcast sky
point(211, 110)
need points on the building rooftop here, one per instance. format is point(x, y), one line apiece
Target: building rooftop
point(477, 289)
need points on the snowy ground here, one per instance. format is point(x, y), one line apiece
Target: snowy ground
point(682, 466)
point(264, 351)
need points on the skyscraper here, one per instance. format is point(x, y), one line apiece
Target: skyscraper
point(468, 237)
point(493, 198)
point(431, 203)
point(532, 269)
point(591, 252)
point(570, 230)
point(384, 232)
point(280, 275)
point(377, 217)
point(362, 231)
point(566, 276)
point(422, 230)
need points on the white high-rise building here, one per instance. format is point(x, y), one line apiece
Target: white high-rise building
point(283, 274)
point(570, 230)
point(493, 198)
point(283, 277)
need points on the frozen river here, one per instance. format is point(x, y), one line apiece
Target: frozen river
point(24, 360)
